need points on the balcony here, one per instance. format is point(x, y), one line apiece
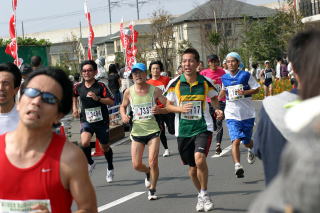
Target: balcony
point(309, 7)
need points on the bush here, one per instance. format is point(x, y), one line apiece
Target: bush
point(278, 87)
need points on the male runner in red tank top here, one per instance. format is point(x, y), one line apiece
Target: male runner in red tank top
point(43, 172)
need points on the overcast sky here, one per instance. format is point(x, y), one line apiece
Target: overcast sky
point(46, 15)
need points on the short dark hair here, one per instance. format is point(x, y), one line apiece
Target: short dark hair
point(59, 76)
point(156, 62)
point(303, 53)
point(213, 57)
point(113, 68)
point(91, 62)
point(14, 70)
point(35, 61)
point(192, 51)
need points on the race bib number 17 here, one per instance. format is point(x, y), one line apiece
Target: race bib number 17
point(195, 113)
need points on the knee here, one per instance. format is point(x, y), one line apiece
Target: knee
point(200, 159)
point(153, 164)
point(137, 165)
point(236, 142)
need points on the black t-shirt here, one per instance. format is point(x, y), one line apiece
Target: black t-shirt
point(93, 111)
point(113, 82)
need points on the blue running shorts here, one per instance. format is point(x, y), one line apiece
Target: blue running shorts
point(240, 129)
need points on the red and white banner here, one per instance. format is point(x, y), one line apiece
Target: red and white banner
point(12, 47)
point(128, 39)
point(91, 33)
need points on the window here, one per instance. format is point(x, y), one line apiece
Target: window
point(208, 27)
point(227, 29)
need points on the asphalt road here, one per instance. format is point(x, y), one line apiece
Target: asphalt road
point(175, 190)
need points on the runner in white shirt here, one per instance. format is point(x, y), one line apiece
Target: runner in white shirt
point(10, 79)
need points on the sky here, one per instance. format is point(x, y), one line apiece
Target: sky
point(47, 15)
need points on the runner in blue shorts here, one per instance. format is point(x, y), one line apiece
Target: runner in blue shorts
point(238, 86)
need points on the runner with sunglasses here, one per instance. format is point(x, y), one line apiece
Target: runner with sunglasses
point(43, 172)
point(94, 116)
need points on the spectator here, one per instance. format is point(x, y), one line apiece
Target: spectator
point(114, 86)
point(35, 62)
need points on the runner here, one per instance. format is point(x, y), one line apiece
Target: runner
point(267, 74)
point(145, 130)
point(214, 72)
point(186, 96)
point(239, 86)
point(10, 79)
point(155, 68)
point(94, 116)
point(40, 171)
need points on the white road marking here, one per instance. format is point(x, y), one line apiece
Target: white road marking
point(224, 151)
point(119, 201)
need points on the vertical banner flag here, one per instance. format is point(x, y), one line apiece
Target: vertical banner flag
point(12, 47)
point(128, 39)
point(91, 33)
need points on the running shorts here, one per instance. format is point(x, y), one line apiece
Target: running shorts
point(144, 139)
point(101, 131)
point(240, 129)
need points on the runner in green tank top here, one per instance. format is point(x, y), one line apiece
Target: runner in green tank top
point(145, 129)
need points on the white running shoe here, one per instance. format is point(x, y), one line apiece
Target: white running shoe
point(200, 204)
point(238, 171)
point(91, 168)
point(166, 153)
point(251, 157)
point(147, 181)
point(152, 195)
point(207, 203)
point(110, 175)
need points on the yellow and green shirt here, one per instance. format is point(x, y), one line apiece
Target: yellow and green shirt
point(180, 92)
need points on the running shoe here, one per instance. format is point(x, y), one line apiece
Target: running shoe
point(91, 168)
point(110, 175)
point(147, 180)
point(200, 204)
point(152, 194)
point(251, 157)
point(218, 149)
point(207, 203)
point(238, 170)
point(166, 153)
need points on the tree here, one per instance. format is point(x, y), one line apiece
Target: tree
point(163, 40)
point(27, 42)
point(183, 45)
point(268, 39)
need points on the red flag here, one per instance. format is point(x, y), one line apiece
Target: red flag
point(14, 4)
point(91, 33)
point(12, 26)
point(122, 33)
point(12, 48)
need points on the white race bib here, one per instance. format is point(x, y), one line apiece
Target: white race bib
point(142, 111)
point(194, 113)
point(21, 206)
point(233, 92)
point(218, 87)
point(268, 75)
point(93, 114)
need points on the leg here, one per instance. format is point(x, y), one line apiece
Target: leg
point(85, 139)
point(153, 161)
point(270, 89)
point(194, 177)
point(265, 90)
point(202, 170)
point(236, 151)
point(137, 149)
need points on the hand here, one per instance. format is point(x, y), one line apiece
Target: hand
point(155, 110)
point(186, 107)
point(75, 114)
point(241, 92)
point(40, 208)
point(219, 114)
point(93, 96)
point(125, 119)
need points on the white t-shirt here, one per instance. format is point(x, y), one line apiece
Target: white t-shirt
point(9, 121)
point(278, 75)
point(241, 109)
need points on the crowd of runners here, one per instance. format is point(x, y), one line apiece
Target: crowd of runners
point(44, 172)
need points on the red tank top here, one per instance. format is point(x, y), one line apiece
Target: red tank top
point(40, 182)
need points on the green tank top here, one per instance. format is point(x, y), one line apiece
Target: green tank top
point(144, 122)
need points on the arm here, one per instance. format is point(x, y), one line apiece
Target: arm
point(249, 92)
point(75, 177)
point(123, 106)
point(177, 109)
point(158, 96)
point(75, 108)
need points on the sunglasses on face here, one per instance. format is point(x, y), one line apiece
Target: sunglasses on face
point(46, 97)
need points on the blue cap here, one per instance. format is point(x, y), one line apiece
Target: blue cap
point(139, 66)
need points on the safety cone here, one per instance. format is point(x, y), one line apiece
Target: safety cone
point(62, 132)
point(98, 151)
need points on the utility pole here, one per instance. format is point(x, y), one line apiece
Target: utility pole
point(22, 30)
point(80, 31)
point(109, 4)
point(137, 3)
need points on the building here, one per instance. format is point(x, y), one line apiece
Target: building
point(310, 10)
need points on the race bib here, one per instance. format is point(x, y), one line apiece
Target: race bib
point(21, 206)
point(93, 114)
point(218, 87)
point(268, 75)
point(233, 92)
point(195, 113)
point(142, 111)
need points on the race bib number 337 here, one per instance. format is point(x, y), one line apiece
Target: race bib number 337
point(195, 113)
point(142, 111)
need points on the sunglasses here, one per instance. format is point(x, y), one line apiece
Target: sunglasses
point(46, 97)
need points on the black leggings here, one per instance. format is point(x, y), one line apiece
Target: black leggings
point(218, 125)
point(167, 119)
